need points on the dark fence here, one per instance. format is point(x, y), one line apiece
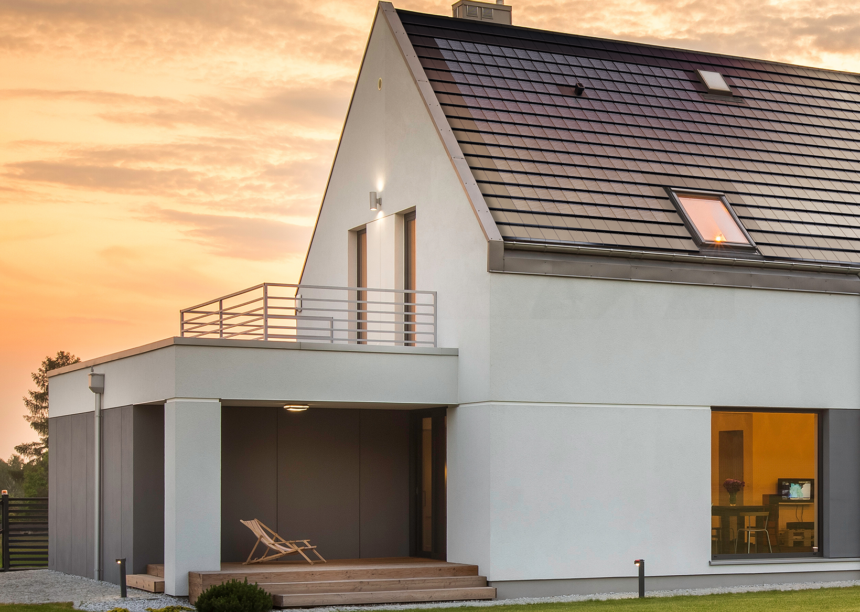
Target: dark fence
point(24, 532)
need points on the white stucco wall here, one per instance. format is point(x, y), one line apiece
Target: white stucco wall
point(390, 145)
point(598, 341)
point(192, 490)
point(581, 491)
point(247, 371)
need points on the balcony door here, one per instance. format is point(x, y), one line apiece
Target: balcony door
point(429, 505)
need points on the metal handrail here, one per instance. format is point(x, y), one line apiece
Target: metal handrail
point(316, 313)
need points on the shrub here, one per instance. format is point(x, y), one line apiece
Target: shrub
point(234, 596)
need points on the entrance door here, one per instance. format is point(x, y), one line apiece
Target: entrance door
point(428, 484)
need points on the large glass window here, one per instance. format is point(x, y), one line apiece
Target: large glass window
point(764, 483)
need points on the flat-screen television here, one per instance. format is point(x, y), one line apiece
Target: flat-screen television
point(796, 489)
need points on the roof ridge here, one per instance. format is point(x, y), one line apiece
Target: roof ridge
point(469, 25)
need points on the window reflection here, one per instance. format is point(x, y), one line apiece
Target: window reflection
point(764, 485)
point(712, 220)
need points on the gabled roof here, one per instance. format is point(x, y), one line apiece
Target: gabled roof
point(561, 169)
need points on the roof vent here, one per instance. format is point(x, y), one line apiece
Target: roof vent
point(483, 11)
point(715, 83)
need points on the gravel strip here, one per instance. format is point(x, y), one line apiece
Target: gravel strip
point(46, 586)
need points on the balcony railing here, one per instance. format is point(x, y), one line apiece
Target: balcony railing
point(310, 313)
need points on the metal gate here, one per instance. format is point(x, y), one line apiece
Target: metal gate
point(24, 532)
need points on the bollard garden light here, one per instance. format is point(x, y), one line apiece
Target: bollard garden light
point(122, 588)
point(640, 563)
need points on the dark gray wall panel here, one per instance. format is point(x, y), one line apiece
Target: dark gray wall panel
point(90, 527)
point(70, 502)
point(80, 467)
point(841, 491)
point(384, 483)
point(63, 460)
point(53, 493)
point(249, 477)
point(318, 484)
point(127, 486)
point(148, 474)
point(112, 502)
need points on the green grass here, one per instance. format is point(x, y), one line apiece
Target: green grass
point(49, 607)
point(813, 600)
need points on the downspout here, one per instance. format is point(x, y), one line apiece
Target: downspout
point(97, 386)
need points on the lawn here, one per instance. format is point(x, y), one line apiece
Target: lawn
point(835, 600)
point(51, 607)
point(814, 600)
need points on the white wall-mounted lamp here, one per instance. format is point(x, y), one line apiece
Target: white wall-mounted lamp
point(296, 407)
point(375, 201)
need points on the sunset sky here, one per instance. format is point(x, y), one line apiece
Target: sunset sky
point(158, 154)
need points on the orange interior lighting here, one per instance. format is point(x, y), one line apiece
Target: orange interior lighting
point(712, 220)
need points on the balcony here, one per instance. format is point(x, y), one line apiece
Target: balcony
point(312, 313)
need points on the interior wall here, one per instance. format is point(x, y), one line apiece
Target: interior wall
point(776, 445)
point(337, 477)
point(148, 473)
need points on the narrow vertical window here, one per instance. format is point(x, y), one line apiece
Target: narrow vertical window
point(361, 281)
point(409, 277)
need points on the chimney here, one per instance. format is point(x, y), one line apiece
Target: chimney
point(483, 11)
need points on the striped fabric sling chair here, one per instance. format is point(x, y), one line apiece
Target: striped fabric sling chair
point(276, 545)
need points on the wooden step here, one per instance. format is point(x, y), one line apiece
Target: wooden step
point(380, 597)
point(354, 586)
point(155, 570)
point(314, 573)
point(145, 582)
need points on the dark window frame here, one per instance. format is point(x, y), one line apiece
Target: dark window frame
point(410, 273)
point(675, 195)
point(819, 497)
point(361, 282)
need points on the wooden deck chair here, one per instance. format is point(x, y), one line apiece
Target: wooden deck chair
point(273, 542)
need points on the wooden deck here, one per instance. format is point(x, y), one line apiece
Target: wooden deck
point(353, 581)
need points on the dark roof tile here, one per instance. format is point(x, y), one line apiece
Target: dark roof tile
point(593, 169)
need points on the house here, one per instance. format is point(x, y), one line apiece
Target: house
point(600, 304)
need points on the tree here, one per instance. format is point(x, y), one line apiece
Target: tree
point(37, 405)
point(35, 481)
point(12, 476)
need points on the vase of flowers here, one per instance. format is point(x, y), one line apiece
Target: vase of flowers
point(733, 487)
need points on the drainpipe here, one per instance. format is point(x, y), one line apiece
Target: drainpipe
point(97, 386)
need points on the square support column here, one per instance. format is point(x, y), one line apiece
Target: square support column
point(192, 490)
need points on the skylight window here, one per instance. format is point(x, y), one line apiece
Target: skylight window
point(715, 83)
point(713, 220)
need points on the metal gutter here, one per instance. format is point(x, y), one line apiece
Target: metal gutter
point(517, 245)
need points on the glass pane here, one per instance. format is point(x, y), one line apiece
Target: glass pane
point(764, 485)
point(712, 220)
point(409, 271)
point(427, 484)
point(361, 281)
